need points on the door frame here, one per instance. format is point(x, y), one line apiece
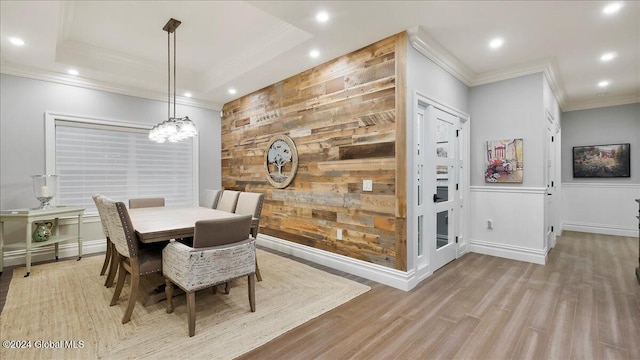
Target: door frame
point(423, 270)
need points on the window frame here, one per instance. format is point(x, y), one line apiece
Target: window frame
point(50, 143)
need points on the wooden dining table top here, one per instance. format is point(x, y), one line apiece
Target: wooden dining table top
point(154, 224)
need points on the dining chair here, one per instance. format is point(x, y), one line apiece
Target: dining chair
point(250, 203)
point(209, 198)
point(228, 200)
point(145, 202)
point(222, 251)
point(110, 260)
point(131, 258)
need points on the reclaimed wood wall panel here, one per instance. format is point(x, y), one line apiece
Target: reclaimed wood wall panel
point(343, 119)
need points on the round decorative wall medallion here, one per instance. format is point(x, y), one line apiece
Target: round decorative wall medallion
point(281, 161)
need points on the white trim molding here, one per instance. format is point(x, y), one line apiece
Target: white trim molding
point(509, 189)
point(384, 275)
point(509, 251)
point(606, 229)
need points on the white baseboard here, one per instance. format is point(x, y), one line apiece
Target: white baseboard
point(599, 229)
point(391, 277)
point(44, 253)
point(508, 251)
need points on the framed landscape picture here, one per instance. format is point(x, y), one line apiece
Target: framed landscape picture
point(597, 161)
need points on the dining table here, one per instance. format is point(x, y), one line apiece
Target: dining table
point(164, 223)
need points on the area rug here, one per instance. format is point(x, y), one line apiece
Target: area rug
point(62, 311)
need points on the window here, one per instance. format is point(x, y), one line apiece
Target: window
point(117, 159)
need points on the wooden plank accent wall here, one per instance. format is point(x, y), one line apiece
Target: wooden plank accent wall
point(347, 119)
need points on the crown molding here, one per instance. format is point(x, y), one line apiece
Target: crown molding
point(586, 105)
point(429, 47)
point(54, 77)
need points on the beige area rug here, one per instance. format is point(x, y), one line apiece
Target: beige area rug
point(62, 311)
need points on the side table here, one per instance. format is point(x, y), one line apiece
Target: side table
point(30, 216)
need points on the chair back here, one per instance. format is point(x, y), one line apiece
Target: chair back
point(250, 203)
point(145, 202)
point(209, 198)
point(97, 199)
point(217, 232)
point(121, 231)
point(228, 200)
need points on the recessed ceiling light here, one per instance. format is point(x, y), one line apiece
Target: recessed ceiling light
point(232, 91)
point(314, 53)
point(187, 94)
point(603, 84)
point(608, 56)
point(496, 43)
point(16, 41)
point(612, 8)
point(322, 16)
point(73, 72)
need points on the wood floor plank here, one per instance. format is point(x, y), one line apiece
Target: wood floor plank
point(584, 341)
point(531, 345)
point(561, 330)
point(609, 327)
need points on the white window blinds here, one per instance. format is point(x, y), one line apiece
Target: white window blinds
point(121, 163)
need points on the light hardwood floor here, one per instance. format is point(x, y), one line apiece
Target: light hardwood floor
point(584, 304)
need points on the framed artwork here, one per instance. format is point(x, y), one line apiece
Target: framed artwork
point(504, 161)
point(597, 161)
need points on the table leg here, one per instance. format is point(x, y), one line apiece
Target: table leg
point(28, 248)
point(79, 237)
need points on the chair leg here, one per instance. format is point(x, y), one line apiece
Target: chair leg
point(168, 292)
point(119, 284)
point(258, 270)
point(227, 287)
point(135, 282)
point(252, 292)
point(191, 312)
point(113, 268)
point(107, 259)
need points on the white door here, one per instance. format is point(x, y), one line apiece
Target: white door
point(442, 185)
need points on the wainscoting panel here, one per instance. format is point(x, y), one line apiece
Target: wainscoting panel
point(517, 222)
point(601, 208)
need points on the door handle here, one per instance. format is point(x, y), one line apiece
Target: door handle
point(436, 198)
point(548, 194)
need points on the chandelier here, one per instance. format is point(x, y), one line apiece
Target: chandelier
point(173, 129)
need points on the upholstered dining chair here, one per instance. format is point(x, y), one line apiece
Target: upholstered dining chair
point(145, 202)
point(110, 260)
point(222, 251)
point(131, 258)
point(228, 200)
point(209, 198)
point(250, 203)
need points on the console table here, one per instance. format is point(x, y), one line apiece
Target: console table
point(638, 268)
point(30, 216)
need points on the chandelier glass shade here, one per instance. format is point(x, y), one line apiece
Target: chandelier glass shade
point(173, 129)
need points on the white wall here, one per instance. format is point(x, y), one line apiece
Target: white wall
point(23, 103)
point(601, 205)
point(513, 108)
point(426, 78)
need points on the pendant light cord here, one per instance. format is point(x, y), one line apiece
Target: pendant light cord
point(168, 75)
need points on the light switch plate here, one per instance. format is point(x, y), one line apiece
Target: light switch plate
point(339, 234)
point(367, 185)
